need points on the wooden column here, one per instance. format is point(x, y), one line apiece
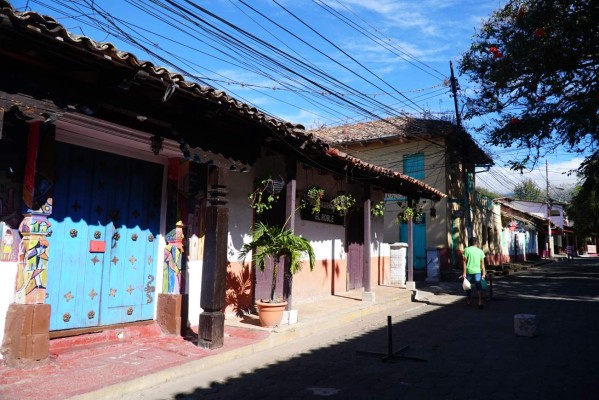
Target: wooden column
point(410, 250)
point(367, 240)
point(212, 319)
point(290, 214)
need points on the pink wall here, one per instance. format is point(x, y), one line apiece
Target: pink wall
point(328, 277)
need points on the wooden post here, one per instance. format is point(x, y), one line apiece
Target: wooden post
point(212, 319)
point(289, 213)
point(410, 250)
point(367, 238)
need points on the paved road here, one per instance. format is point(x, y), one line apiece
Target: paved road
point(470, 353)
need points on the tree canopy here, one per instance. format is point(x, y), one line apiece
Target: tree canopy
point(535, 64)
point(584, 205)
point(489, 193)
point(528, 190)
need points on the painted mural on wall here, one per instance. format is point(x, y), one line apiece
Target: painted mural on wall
point(38, 183)
point(192, 206)
point(32, 263)
point(11, 239)
point(173, 254)
point(187, 202)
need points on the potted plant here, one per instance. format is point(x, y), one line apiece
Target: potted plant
point(274, 242)
point(266, 194)
point(314, 195)
point(343, 202)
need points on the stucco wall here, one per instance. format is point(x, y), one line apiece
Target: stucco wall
point(391, 155)
point(8, 273)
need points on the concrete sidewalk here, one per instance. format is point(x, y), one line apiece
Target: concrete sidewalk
point(92, 366)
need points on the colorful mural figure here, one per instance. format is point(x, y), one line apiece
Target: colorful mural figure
point(7, 245)
point(32, 262)
point(173, 254)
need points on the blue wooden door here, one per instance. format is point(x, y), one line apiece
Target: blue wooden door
point(103, 252)
point(419, 237)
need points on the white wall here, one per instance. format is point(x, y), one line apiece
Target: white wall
point(8, 274)
point(240, 212)
point(540, 209)
point(326, 239)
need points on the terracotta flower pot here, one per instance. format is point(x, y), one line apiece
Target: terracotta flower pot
point(270, 314)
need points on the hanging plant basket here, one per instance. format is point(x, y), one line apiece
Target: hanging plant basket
point(343, 203)
point(405, 215)
point(313, 197)
point(378, 209)
point(274, 185)
point(266, 194)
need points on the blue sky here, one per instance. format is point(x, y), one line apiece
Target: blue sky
point(344, 60)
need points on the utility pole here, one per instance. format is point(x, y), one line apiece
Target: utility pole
point(458, 119)
point(549, 238)
point(454, 90)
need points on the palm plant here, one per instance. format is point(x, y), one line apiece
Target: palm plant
point(273, 241)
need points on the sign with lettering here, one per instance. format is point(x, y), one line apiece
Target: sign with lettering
point(326, 214)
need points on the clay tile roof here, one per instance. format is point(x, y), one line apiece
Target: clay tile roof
point(49, 27)
point(403, 128)
point(387, 128)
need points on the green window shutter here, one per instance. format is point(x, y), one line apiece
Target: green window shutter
point(413, 165)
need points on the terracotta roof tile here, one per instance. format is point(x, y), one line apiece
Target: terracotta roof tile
point(48, 26)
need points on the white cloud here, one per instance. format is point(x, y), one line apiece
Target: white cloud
point(502, 179)
point(303, 117)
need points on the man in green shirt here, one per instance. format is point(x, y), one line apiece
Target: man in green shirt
point(474, 269)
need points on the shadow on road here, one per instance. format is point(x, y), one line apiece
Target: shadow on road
point(470, 353)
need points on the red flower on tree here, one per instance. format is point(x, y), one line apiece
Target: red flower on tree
point(495, 51)
point(540, 33)
point(515, 120)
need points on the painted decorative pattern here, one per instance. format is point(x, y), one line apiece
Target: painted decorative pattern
point(32, 264)
point(68, 296)
point(173, 255)
point(149, 289)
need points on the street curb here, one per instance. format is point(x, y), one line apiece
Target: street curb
point(277, 338)
point(432, 299)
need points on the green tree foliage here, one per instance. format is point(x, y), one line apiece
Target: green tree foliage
point(486, 192)
point(274, 242)
point(528, 190)
point(535, 66)
point(584, 205)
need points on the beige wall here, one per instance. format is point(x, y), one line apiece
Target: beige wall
point(390, 154)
